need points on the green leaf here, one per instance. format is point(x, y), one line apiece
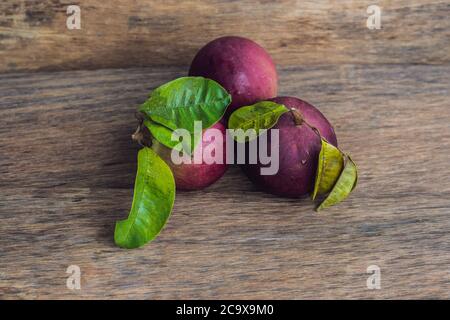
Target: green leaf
point(261, 115)
point(178, 103)
point(329, 167)
point(154, 195)
point(345, 184)
point(164, 136)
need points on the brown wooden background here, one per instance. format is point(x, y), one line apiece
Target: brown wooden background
point(127, 33)
point(67, 163)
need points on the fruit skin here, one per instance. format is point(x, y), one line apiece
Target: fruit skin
point(195, 176)
point(241, 66)
point(299, 151)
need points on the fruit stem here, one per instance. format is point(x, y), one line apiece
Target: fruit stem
point(316, 131)
point(297, 116)
point(299, 120)
point(142, 135)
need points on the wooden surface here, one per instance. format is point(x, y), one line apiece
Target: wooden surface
point(67, 167)
point(67, 163)
point(127, 33)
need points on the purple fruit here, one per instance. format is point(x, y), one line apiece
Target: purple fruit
point(299, 148)
point(196, 176)
point(241, 66)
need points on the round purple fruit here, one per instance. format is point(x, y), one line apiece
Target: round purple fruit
point(241, 66)
point(299, 148)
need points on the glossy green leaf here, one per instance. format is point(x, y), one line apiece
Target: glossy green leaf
point(178, 103)
point(164, 136)
point(345, 184)
point(329, 167)
point(261, 115)
point(154, 195)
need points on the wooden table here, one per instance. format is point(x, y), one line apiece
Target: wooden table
point(67, 163)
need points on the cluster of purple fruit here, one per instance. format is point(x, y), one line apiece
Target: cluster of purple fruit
point(248, 73)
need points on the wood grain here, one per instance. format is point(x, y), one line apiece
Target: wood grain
point(67, 167)
point(130, 33)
